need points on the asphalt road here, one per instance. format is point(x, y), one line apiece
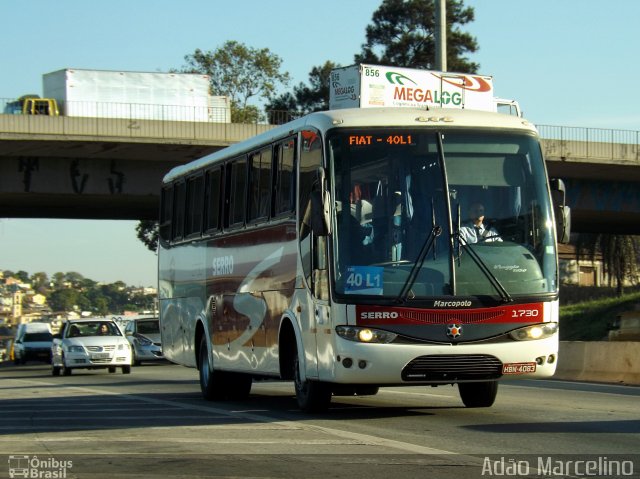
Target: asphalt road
point(153, 423)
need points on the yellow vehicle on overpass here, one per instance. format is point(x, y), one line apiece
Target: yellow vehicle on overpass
point(33, 105)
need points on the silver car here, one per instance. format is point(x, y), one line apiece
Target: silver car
point(144, 336)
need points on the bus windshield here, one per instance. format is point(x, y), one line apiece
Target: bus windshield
point(423, 214)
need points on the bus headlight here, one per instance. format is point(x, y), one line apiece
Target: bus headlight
point(535, 331)
point(365, 335)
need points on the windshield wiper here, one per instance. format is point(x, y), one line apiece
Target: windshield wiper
point(428, 243)
point(495, 282)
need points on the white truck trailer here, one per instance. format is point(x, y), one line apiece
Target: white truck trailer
point(135, 95)
point(368, 86)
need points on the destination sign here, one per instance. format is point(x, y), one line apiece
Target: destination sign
point(389, 139)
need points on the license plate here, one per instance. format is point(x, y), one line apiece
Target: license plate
point(100, 356)
point(518, 368)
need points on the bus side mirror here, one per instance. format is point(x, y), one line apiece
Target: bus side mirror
point(320, 224)
point(561, 210)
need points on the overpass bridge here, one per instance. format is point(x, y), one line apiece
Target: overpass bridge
point(111, 168)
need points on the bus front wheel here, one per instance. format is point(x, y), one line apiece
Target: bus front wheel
point(312, 396)
point(210, 385)
point(478, 394)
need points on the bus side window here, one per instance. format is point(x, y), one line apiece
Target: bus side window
point(193, 205)
point(177, 223)
point(236, 194)
point(212, 196)
point(166, 211)
point(284, 184)
point(260, 185)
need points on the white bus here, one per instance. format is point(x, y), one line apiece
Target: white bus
point(333, 251)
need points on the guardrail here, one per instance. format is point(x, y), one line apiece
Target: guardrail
point(592, 143)
point(568, 141)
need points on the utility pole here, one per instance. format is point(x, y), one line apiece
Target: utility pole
point(441, 35)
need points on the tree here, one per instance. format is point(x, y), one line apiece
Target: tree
point(305, 98)
point(315, 97)
point(74, 278)
point(283, 109)
point(99, 302)
point(402, 34)
point(101, 306)
point(64, 299)
point(40, 282)
point(22, 276)
point(58, 279)
point(240, 73)
point(147, 232)
point(619, 255)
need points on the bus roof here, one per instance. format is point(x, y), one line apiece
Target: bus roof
point(440, 118)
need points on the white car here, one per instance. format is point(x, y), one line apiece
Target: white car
point(90, 344)
point(33, 342)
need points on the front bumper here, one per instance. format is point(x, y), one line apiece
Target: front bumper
point(152, 352)
point(394, 364)
point(98, 360)
point(36, 354)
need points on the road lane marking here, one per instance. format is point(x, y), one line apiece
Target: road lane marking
point(364, 439)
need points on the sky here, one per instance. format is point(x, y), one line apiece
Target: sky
point(567, 62)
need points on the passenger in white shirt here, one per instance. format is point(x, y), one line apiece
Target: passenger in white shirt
point(474, 230)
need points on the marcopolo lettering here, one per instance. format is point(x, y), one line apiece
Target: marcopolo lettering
point(451, 304)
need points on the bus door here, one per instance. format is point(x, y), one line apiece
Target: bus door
point(321, 307)
point(313, 304)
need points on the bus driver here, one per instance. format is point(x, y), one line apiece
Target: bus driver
point(475, 230)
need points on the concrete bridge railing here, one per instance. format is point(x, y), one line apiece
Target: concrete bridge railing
point(559, 142)
point(47, 127)
point(597, 144)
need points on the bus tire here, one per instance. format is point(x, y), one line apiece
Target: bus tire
point(312, 396)
point(478, 394)
point(211, 383)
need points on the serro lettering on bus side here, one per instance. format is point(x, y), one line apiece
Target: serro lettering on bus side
point(222, 265)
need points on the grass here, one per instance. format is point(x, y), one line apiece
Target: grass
point(587, 314)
